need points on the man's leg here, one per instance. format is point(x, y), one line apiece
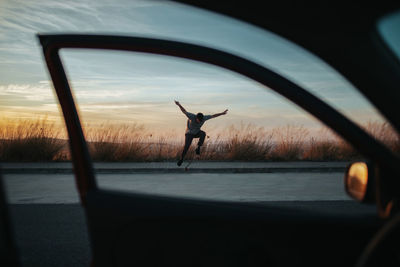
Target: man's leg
point(202, 137)
point(188, 142)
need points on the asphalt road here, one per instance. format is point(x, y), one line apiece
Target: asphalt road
point(247, 187)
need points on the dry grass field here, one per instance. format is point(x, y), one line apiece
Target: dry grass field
point(41, 140)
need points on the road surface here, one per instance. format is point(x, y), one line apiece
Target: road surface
point(232, 181)
point(249, 187)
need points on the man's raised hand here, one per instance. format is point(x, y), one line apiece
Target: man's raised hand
point(226, 111)
point(176, 102)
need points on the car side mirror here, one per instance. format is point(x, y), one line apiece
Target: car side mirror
point(359, 182)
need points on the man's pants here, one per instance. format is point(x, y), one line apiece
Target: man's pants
point(189, 139)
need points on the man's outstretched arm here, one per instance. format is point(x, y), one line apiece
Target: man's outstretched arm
point(219, 114)
point(180, 106)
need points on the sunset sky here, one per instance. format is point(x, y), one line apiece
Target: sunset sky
point(137, 88)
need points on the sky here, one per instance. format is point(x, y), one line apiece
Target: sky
point(127, 88)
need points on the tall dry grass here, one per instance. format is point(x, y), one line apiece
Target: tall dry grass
point(329, 146)
point(42, 140)
point(26, 140)
point(290, 143)
point(248, 143)
point(323, 151)
point(385, 133)
point(110, 142)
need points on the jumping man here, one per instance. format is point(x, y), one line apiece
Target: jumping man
point(193, 126)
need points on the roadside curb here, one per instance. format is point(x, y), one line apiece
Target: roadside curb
point(175, 170)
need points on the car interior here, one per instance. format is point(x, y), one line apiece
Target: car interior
point(132, 229)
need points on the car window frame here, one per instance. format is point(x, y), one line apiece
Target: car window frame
point(84, 174)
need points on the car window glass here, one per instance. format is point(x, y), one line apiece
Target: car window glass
point(29, 110)
point(389, 28)
point(126, 103)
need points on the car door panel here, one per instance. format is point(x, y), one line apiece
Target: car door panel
point(145, 230)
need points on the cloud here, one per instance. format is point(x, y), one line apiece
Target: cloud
point(29, 92)
point(34, 16)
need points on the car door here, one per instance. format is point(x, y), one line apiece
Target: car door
point(133, 229)
point(8, 251)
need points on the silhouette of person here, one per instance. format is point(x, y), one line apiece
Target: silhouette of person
point(193, 125)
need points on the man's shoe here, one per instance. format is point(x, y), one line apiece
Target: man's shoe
point(179, 163)
point(198, 150)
